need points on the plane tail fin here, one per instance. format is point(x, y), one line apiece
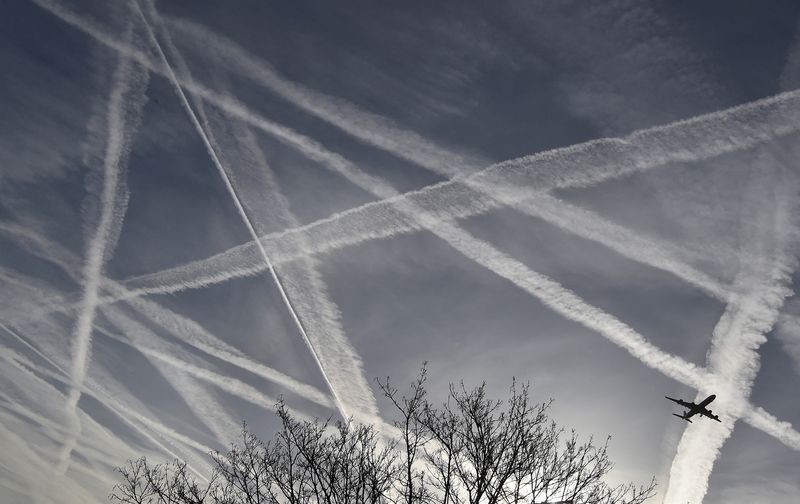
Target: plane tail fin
point(681, 417)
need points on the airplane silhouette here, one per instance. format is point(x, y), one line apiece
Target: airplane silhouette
point(694, 409)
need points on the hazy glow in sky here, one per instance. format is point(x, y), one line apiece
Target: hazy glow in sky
point(207, 206)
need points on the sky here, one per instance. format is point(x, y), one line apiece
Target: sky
point(208, 206)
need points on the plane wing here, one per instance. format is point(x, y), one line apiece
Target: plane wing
point(709, 414)
point(681, 402)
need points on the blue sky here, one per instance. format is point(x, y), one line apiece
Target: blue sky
point(600, 199)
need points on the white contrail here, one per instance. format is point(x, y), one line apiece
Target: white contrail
point(172, 360)
point(29, 469)
point(131, 417)
point(382, 133)
point(116, 399)
point(765, 280)
point(203, 402)
point(245, 219)
point(255, 183)
point(646, 149)
point(140, 338)
point(91, 447)
point(122, 404)
point(789, 332)
point(741, 128)
point(370, 128)
point(97, 443)
point(645, 250)
point(693, 139)
point(22, 395)
point(733, 358)
point(552, 294)
point(194, 334)
point(124, 111)
point(184, 328)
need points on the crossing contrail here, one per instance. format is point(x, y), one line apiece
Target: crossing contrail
point(689, 140)
point(245, 219)
point(123, 115)
point(95, 437)
point(367, 127)
point(382, 133)
point(761, 288)
point(733, 360)
point(584, 164)
point(258, 189)
point(723, 141)
point(184, 328)
point(175, 363)
point(552, 294)
point(137, 336)
point(549, 292)
point(129, 411)
point(203, 402)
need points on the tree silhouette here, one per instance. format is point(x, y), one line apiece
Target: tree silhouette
point(470, 450)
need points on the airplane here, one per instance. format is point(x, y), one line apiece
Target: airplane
point(694, 409)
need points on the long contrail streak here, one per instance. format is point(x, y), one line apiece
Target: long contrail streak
point(553, 295)
point(692, 139)
point(175, 363)
point(57, 429)
point(733, 359)
point(259, 190)
point(689, 140)
point(124, 110)
point(184, 328)
point(665, 153)
point(138, 337)
point(128, 414)
point(120, 402)
point(367, 127)
point(383, 134)
point(245, 219)
point(557, 168)
point(761, 288)
point(203, 403)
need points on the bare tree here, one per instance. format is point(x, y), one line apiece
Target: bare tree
point(471, 449)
